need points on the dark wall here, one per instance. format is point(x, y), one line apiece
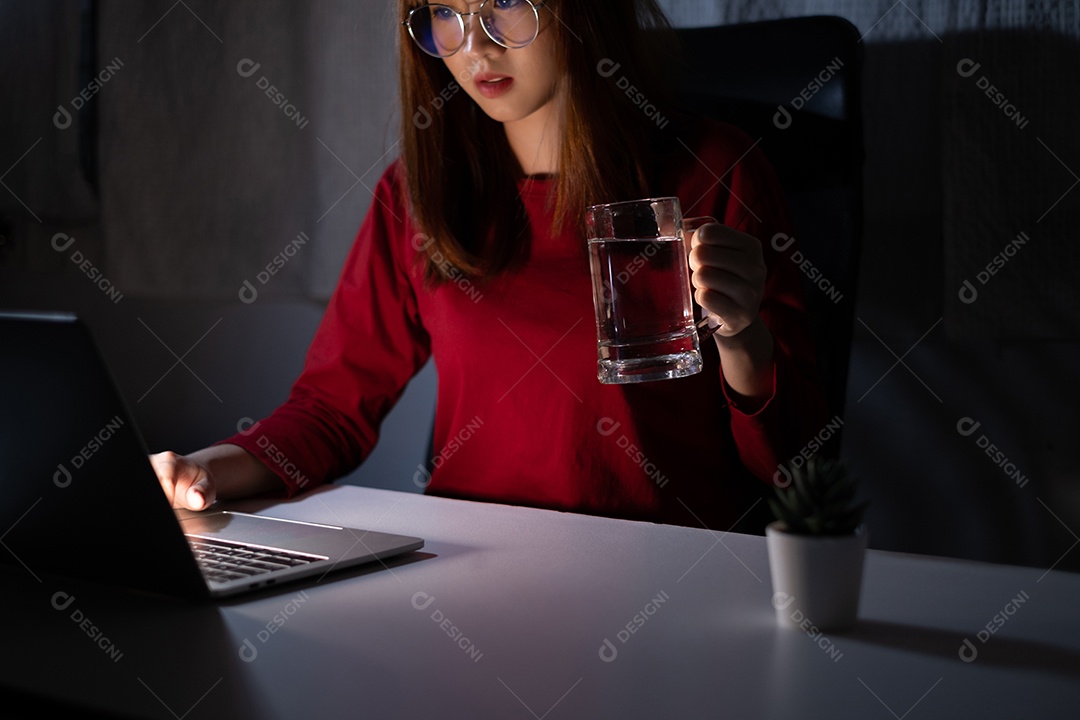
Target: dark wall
point(951, 180)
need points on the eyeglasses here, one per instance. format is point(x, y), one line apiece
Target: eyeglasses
point(439, 30)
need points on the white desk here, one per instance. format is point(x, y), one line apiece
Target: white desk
point(505, 615)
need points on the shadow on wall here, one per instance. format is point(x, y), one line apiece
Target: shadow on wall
point(195, 372)
point(961, 402)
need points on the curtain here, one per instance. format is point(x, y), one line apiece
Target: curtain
point(239, 142)
point(972, 156)
point(45, 183)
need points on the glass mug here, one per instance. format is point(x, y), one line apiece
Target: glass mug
point(646, 324)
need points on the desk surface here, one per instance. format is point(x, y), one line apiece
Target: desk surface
point(517, 613)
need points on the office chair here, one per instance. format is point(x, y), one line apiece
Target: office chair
point(758, 77)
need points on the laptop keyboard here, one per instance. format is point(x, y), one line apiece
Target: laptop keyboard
point(223, 561)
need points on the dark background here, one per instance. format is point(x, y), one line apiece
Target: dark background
point(180, 180)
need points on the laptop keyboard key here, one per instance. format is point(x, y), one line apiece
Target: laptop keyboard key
point(221, 561)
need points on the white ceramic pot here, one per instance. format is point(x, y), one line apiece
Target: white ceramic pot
point(816, 580)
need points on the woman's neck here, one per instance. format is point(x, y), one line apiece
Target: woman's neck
point(536, 140)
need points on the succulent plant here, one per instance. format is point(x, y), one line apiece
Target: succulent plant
point(819, 500)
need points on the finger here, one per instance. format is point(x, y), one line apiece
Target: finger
point(727, 298)
point(712, 255)
point(723, 280)
point(725, 293)
point(186, 484)
point(732, 313)
point(747, 267)
point(200, 494)
point(723, 236)
point(164, 465)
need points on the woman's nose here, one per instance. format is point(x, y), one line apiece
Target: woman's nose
point(477, 41)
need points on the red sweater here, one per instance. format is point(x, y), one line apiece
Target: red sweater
point(521, 416)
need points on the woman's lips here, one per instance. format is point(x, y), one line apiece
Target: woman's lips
point(491, 85)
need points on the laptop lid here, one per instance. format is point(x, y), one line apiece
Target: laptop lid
point(77, 482)
point(74, 474)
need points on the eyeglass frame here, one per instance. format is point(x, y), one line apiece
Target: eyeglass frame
point(461, 23)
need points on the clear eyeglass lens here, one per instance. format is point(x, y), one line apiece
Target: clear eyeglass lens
point(511, 23)
point(439, 30)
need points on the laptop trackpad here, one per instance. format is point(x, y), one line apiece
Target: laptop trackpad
point(260, 530)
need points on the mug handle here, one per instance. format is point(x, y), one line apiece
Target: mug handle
point(709, 323)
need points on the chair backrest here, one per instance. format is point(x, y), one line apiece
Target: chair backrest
point(795, 84)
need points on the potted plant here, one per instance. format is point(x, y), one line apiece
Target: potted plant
point(816, 547)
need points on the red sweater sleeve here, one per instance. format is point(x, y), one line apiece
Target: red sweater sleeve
point(774, 433)
point(370, 343)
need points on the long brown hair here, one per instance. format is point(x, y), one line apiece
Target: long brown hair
point(462, 175)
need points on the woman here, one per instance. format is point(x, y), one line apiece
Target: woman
point(515, 116)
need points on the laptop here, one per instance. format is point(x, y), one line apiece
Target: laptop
point(79, 498)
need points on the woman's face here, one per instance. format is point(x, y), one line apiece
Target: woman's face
point(508, 84)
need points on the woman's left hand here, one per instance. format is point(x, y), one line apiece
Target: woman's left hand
point(728, 275)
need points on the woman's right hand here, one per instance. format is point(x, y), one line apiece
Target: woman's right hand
point(186, 482)
point(219, 472)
